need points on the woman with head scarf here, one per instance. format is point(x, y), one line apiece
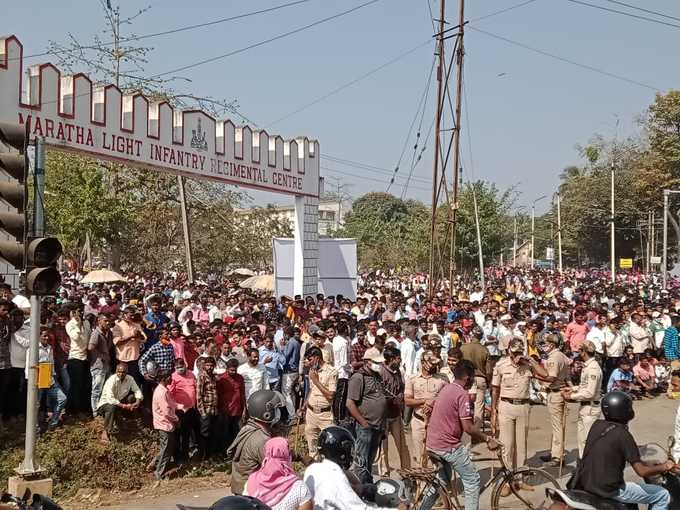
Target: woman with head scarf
point(276, 484)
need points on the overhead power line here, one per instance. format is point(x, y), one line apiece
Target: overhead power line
point(501, 11)
point(181, 29)
point(656, 13)
point(624, 13)
point(367, 168)
point(266, 41)
point(350, 83)
point(565, 60)
point(381, 181)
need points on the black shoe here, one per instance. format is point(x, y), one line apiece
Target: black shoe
point(546, 458)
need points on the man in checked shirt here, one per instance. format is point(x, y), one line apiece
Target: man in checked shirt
point(206, 403)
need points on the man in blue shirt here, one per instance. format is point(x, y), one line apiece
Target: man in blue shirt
point(155, 320)
point(622, 378)
point(291, 365)
point(671, 344)
point(273, 361)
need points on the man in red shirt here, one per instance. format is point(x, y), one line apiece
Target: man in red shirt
point(183, 389)
point(231, 401)
point(451, 416)
point(576, 332)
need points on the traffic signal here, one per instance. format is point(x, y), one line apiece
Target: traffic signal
point(42, 275)
point(14, 162)
point(35, 255)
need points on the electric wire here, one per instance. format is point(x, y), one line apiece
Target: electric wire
point(656, 13)
point(421, 107)
point(349, 83)
point(565, 60)
point(501, 11)
point(624, 13)
point(266, 41)
point(180, 29)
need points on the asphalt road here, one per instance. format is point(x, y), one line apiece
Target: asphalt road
point(654, 422)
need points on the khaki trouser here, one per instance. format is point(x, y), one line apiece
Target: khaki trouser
point(314, 424)
point(556, 411)
point(586, 417)
point(513, 428)
point(480, 383)
point(418, 437)
point(395, 428)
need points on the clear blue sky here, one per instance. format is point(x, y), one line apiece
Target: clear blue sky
point(524, 125)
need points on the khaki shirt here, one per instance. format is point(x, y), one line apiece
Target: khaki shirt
point(328, 376)
point(557, 365)
point(512, 379)
point(421, 387)
point(590, 386)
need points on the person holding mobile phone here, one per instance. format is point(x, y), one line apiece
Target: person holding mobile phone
point(510, 404)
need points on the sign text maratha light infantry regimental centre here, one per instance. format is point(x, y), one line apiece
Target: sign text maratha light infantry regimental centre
point(71, 113)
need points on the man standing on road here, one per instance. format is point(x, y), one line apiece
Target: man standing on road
point(291, 366)
point(419, 394)
point(366, 403)
point(164, 411)
point(557, 366)
point(478, 354)
point(451, 416)
point(394, 388)
point(510, 404)
point(587, 394)
point(323, 380)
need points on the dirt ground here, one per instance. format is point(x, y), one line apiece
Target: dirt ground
point(654, 422)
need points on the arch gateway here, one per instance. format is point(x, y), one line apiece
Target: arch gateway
point(72, 114)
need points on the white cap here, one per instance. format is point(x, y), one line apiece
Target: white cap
point(505, 317)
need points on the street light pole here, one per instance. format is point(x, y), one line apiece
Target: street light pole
point(514, 244)
point(664, 262)
point(533, 220)
point(613, 254)
point(559, 234)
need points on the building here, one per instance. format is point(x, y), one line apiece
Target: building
point(331, 215)
point(522, 257)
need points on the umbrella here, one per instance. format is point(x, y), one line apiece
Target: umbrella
point(102, 276)
point(262, 282)
point(241, 271)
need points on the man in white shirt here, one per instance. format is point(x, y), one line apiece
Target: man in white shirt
point(640, 337)
point(330, 482)
point(78, 331)
point(341, 346)
point(598, 333)
point(254, 375)
point(409, 349)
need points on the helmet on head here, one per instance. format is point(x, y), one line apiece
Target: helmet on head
point(238, 503)
point(618, 406)
point(265, 406)
point(336, 444)
point(389, 493)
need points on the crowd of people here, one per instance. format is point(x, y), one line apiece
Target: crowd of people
point(218, 370)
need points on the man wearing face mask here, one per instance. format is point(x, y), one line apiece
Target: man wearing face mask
point(557, 365)
point(394, 388)
point(451, 416)
point(510, 405)
point(366, 402)
point(323, 380)
point(419, 394)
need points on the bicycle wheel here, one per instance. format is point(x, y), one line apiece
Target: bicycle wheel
point(443, 501)
point(535, 478)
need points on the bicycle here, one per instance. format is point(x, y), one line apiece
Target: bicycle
point(419, 480)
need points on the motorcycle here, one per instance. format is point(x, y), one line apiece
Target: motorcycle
point(651, 453)
point(30, 502)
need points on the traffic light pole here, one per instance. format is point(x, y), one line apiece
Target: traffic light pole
point(39, 189)
point(30, 465)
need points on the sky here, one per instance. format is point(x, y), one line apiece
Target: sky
point(524, 113)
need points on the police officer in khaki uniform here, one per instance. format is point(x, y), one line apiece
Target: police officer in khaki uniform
point(587, 394)
point(510, 403)
point(557, 366)
point(419, 394)
point(323, 379)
